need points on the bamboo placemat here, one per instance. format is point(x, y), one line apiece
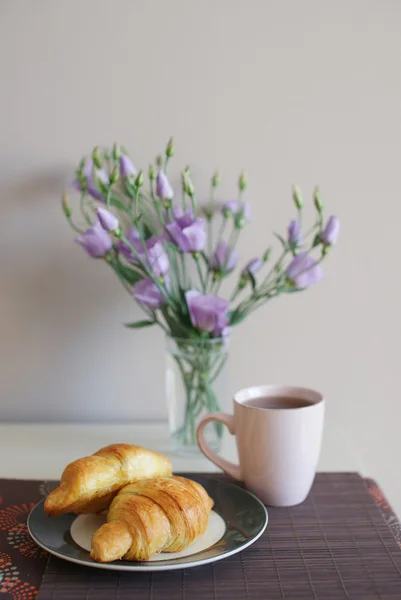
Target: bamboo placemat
point(335, 545)
point(22, 563)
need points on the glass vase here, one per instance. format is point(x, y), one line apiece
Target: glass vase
point(196, 384)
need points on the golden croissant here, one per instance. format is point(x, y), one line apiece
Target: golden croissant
point(164, 514)
point(89, 484)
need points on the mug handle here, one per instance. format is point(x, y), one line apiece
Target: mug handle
point(227, 466)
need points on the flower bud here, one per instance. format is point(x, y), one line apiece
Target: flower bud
point(216, 179)
point(82, 164)
point(266, 255)
point(224, 258)
point(170, 148)
point(127, 168)
point(159, 161)
point(163, 188)
point(97, 158)
point(331, 231)
point(96, 241)
point(108, 221)
point(188, 185)
point(139, 179)
point(294, 233)
point(107, 154)
point(116, 152)
point(252, 268)
point(66, 206)
point(207, 212)
point(114, 175)
point(151, 173)
point(239, 221)
point(297, 197)
point(317, 200)
point(83, 182)
point(242, 181)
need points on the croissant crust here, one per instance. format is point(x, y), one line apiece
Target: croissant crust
point(88, 485)
point(164, 514)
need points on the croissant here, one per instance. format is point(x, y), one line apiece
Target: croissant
point(164, 514)
point(89, 484)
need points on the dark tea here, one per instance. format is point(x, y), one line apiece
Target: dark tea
point(278, 402)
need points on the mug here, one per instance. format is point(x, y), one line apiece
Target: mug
point(278, 431)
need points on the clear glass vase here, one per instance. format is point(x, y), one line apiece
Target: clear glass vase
point(196, 384)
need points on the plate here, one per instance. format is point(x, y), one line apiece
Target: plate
point(238, 519)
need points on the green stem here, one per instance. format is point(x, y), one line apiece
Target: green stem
point(209, 223)
point(193, 204)
point(162, 289)
point(232, 242)
point(217, 372)
point(200, 274)
point(136, 203)
point(108, 198)
point(184, 272)
point(75, 227)
point(221, 229)
point(84, 212)
point(166, 163)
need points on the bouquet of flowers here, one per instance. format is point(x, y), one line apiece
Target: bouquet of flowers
point(172, 254)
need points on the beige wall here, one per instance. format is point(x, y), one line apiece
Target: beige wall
point(293, 91)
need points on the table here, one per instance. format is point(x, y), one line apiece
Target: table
point(40, 451)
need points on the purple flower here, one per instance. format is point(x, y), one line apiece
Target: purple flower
point(147, 293)
point(90, 184)
point(95, 240)
point(304, 271)
point(294, 233)
point(188, 233)
point(252, 268)
point(177, 211)
point(134, 240)
point(126, 166)
point(153, 255)
point(107, 220)
point(236, 208)
point(224, 258)
point(163, 187)
point(158, 257)
point(331, 231)
point(207, 312)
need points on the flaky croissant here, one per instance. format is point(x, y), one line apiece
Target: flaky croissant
point(164, 514)
point(89, 484)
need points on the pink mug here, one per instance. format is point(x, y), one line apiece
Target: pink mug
point(278, 431)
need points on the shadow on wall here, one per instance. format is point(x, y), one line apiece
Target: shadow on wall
point(61, 314)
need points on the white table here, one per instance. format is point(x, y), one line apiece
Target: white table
point(41, 451)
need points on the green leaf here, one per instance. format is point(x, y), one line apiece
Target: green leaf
point(205, 259)
point(282, 240)
point(316, 241)
point(128, 274)
point(237, 317)
point(140, 324)
point(118, 204)
point(252, 280)
point(290, 289)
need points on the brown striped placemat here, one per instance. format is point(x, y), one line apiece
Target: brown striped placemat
point(22, 563)
point(335, 545)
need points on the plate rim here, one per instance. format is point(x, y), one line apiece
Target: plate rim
point(149, 566)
